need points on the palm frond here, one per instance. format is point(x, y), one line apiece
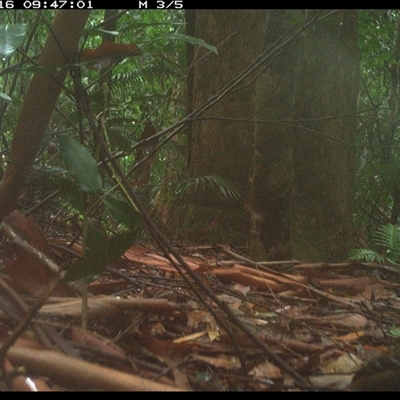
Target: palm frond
point(215, 183)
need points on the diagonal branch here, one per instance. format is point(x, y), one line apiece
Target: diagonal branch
point(39, 103)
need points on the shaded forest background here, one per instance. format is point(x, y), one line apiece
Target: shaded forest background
point(276, 130)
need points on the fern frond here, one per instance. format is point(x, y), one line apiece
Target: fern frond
point(387, 237)
point(366, 255)
point(216, 183)
point(155, 72)
point(385, 242)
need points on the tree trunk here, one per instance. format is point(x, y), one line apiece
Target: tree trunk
point(303, 178)
point(272, 173)
point(223, 147)
point(302, 171)
point(323, 156)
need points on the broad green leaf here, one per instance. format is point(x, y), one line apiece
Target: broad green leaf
point(76, 271)
point(5, 98)
point(190, 40)
point(80, 164)
point(11, 37)
point(119, 244)
point(122, 211)
point(71, 192)
point(99, 253)
point(95, 257)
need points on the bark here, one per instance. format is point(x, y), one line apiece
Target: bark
point(303, 178)
point(272, 170)
point(39, 102)
point(223, 147)
point(323, 152)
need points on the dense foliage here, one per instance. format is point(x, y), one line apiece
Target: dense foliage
point(123, 97)
point(142, 95)
point(378, 139)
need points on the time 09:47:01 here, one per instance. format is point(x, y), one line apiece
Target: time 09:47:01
point(39, 4)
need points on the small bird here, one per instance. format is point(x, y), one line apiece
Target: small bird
point(380, 374)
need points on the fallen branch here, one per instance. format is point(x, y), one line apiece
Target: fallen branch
point(72, 372)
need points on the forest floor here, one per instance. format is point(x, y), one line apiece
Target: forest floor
point(293, 325)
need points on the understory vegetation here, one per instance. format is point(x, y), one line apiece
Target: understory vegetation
point(143, 94)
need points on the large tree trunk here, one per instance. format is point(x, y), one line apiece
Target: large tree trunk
point(302, 169)
point(223, 147)
point(303, 177)
point(272, 173)
point(323, 156)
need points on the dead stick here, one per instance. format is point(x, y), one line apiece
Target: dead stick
point(78, 373)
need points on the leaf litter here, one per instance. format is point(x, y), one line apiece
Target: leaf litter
point(148, 330)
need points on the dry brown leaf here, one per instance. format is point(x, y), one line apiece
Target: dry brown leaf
point(100, 286)
point(222, 361)
point(345, 363)
point(377, 291)
point(353, 321)
point(108, 53)
point(197, 317)
point(350, 285)
point(145, 256)
point(350, 336)
point(348, 321)
point(331, 382)
point(337, 371)
point(266, 370)
point(25, 268)
point(190, 338)
point(164, 348)
point(94, 340)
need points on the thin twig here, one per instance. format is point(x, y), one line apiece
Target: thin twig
point(57, 276)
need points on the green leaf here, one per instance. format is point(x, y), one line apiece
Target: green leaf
point(95, 257)
point(122, 211)
point(394, 332)
point(366, 255)
point(71, 192)
point(99, 252)
point(387, 237)
point(80, 164)
point(11, 37)
point(5, 98)
point(119, 244)
point(190, 40)
point(76, 271)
